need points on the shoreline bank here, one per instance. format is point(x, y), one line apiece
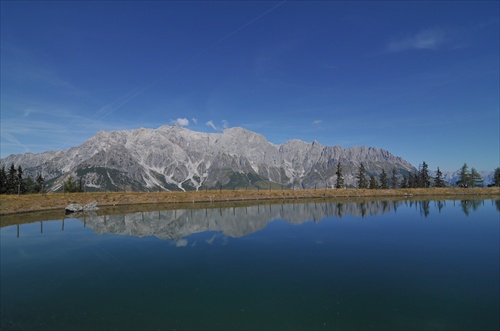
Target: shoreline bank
point(14, 204)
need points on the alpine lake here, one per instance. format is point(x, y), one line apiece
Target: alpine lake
point(363, 265)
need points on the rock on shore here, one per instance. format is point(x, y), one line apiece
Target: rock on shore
point(77, 208)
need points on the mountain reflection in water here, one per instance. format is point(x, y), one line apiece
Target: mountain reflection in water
point(373, 265)
point(241, 221)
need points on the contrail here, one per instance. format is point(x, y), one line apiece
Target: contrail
point(233, 33)
point(134, 95)
point(120, 102)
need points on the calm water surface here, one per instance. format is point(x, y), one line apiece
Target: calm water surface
point(371, 266)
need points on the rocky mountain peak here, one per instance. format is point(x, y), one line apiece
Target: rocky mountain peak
point(177, 158)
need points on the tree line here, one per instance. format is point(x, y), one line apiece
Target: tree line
point(418, 179)
point(13, 182)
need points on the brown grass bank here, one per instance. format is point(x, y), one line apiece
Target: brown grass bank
point(10, 204)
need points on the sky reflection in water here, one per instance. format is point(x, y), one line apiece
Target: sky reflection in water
point(378, 265)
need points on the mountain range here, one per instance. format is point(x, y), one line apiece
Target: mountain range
point(176, 158)
point(176, 224)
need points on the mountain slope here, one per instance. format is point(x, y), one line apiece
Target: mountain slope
point(176, 158)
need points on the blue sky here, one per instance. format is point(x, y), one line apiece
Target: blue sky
point(418, 78)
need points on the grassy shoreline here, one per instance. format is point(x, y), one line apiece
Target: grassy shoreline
point(13, 204)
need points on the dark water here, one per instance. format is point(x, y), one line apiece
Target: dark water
point(372, 266)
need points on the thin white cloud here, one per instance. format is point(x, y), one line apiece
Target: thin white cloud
point(225, 125)
point(425, 39)
point(317, 122)
point(195, 120)
point(181, 122)
point(212, 125)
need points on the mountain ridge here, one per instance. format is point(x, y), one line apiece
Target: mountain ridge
point(177, 158)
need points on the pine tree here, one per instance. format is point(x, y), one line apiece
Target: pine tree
point(39, 183)
point(12, 180)
point(438, 180)
point(496, 177)
point(70, 185)
point(465, 178)
point(394, 179)
point(340, 177)
point(3, 180)
point(362, 181)
point(21, 185)
point(412, 183)
point(475, 177)
point(404, 182)
point(423, 176)
point(383, 180)
point(30, 185)
point(373, 183)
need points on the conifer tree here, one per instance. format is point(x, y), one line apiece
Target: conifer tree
point(340, 177)
point(475, 177)
point(423, 176)
point(394, 179)
point(465, 178)
point(3, 180)
point(39, 183)
point(362, 181)
point(29, 185)
point(404, 182)
point(70, 185)
point(411, 181)
point(21, 185)
point(373, 183)
point(12, 180)
point(383, 180)
point(496, 177)
point(438, 180)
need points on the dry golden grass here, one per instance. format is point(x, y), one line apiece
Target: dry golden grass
point(10, 204)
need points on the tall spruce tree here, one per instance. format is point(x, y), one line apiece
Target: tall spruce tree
point(373, 183)
point(475, 178)
point(404, 182)
point(362, 181)
point(383, 180)
point(12, 180)
point(412, 183)
point(438, 180)
point(3, 180)
point(465, 178)
point(21, 185)
point(340, 177)
point(394, 179)
point(423, 176)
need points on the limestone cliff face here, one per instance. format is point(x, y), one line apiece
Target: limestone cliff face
point(176, 158)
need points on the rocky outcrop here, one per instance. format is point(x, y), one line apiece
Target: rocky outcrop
point(76, 208)
point(73, 208)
